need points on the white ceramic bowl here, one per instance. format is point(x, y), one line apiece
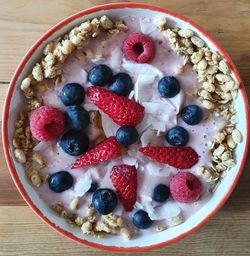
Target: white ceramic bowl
point(14, 101)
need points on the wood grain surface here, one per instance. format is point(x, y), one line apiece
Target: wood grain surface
point(22, 22)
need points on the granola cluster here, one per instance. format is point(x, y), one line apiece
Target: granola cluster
point(93, 223)
point(217, 92)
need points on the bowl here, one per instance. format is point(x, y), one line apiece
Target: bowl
point(150, 241)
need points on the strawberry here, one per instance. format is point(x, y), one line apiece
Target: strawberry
point(122, 110)
point(178, 157)
point(106, 150)
point(124, 179)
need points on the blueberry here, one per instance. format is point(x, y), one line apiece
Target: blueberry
point(104, 201)
point(121, 84)
point(100, 75)
point(60, 181)
point(191, 114)
point(74, 142)
point(77, 117)
point(141, 220)
point(93, 188)
point(177, 136)
point(72, 94)
point(161, 193)
point(127, 135)
point(168, 86)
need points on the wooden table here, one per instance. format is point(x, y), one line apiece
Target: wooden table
point(22, 22)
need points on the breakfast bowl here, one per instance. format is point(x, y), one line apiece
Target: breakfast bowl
point(221, 190)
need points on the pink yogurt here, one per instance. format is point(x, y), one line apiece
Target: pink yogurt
point(107, 50)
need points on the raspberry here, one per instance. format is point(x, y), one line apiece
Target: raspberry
point(122, 110)
point(138, 48)
point(182, 157)
point(185, 187)
point(124, 179)
point(47, 123)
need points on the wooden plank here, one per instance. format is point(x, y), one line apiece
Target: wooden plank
point(23, 22)
point(22, 233)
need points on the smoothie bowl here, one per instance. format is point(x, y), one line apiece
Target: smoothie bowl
point(126, 127)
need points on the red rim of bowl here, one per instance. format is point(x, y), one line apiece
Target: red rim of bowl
point(6, 116)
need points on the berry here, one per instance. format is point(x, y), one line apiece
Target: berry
point(106, 150)
point(191, 114)
point(47, 123)
point(177, 136)
point(100, 75)
point(121, 84)
point(127, 135)
point(138, 48)
point(104, 201)
point(185, 187)
point(141, 220)
point(74, 142)
point(181, 158)
point(93, 188)
point(60, 181)
point(77, 117)
point(124, 179)
point(122, 110)
point(72, 94)
point(168, 87)
point(161, 193)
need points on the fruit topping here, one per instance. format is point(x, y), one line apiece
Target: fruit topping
point(161, 193)
point(100, 75)
point(185, 187)
point(122, 110)
point(168, 87)
point(124, 179)
point(47, 123)
point(77, 117)
point(127, 135)
point(121, 84)
point(182, 158)
point(72, 94)
point(106, 150)
point(93, 188)
point(104, 201)
point(177, 136)
point(60, 181)
point(191, 114)
point(74, 143)
point(141, 220)
point(138, 48)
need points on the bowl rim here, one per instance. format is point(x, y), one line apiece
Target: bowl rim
point(11, 88)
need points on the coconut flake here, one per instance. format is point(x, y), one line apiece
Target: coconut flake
point(130, 160)
point(143, 88)
point(131, 95)
point(168, 211)
point(145, 123)
point(137, 68)
point(176, 102)
point(84, 75)
point(42, 145)
point(109, 126)
point(149, 138)
point(90, 107)
point(157, 169)
point(82, 185)
point(155, 108)
point(147, 25)
point(116, 59)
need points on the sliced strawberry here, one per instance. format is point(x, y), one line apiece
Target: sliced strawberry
point(106, 150)
point(124, 179)
point(182, 157)
point(122, 110)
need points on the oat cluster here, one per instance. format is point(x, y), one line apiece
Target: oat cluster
point(93, 223)
point(217, 93)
